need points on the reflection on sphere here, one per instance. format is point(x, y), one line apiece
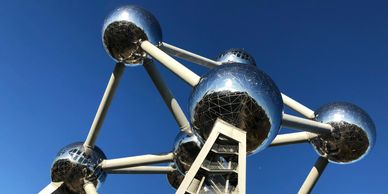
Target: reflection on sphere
point(353, 135)
point(74, 163)
point(241, 95)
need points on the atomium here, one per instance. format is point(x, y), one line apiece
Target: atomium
point(234, 94)
point(74, 164)
point(124, 28)
point(241, 95)
point(353, 136)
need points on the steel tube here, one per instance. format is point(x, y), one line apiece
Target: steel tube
point(104, 105)
point(188, 56)
point(90, 188)
point(170, 63)
point(292, 138)
point(51, 188)
point(142, 170)
point(298, 123)
point(313, 176)
point(167, 96)
point(298, 107)
point(118, 163)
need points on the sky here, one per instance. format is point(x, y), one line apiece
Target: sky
point(54, 70)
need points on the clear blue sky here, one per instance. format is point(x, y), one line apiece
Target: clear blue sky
point(54, 71)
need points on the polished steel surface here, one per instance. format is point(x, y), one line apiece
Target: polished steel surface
point(236, 55)
point(186, 149)
point(74, 163)
point(175, 178)
point(241, 95)
point(124, 28)
point(353, 136)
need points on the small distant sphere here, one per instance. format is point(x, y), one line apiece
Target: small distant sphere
point(74, 163)
point(124, 28)
point(186, 149)
point(236, 55)
point(353, 136)
point(241, 95)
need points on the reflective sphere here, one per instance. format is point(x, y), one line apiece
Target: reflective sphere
point(354, 133)
point(186, 149)
point(175, 178)
point(74, 163)
point(235, 55)
point(241, 95)
point(123, 29)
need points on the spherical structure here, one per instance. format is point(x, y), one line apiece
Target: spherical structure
point(74, 163)
point(175, 178)
point(353, 136)
point(236, 55)
point(124, 28)
point(241, 95)
point(186, 149)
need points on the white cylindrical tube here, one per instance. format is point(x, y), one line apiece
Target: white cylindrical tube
point(142, 170)
point(136, 161)
point(298, 107)
point(167, 96)
point(90, 188)
point(313, 176)
point(51, 188)
point(104, 105)
point(298, 123)
point(292, 138)
point(188, 56)
point(180, 70)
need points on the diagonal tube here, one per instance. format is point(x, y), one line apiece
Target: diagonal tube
point(298, 107)
point(313, 176)
point(188, 56)
point(292, 138)
point(170, 63)
point(90, 188)
point(167, 96)
point(293, 122)
point(104, 105)
point(53, 187)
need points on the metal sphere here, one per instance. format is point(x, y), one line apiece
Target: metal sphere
point(241, 95)
point(124, 28)
point(236, 55)
point(175, 178)
point(186, 149)
point(75, 163)
point(353, 136)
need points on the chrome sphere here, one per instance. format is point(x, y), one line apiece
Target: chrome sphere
point(186, 149)
point(236, 55)
point(241, 95)
point(74, 163)
point(353, 136)
point(175, 178)
point(124, 28)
